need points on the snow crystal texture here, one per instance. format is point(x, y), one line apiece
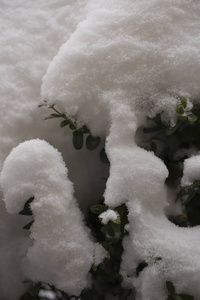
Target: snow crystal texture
point(62, 252)
point(128, 60)
point(109, 64)
point(191, 170)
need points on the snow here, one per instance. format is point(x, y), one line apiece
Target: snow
point(31, 34)
point(109, 64)
point(147, 49)
point(108, 215)
point(187, 109)
point(61, 249)
point(126, 61)
point(14, 242)
point(191, 170)
point(47, 294)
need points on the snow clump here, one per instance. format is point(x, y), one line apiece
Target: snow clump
point(126, 61)
point(108, 215)
point(63, 251)
point(118, 62)
point(191, 171)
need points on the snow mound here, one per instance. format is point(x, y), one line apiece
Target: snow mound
point(126, 61)
point(191, 171)
point(63, 251)
point(119, 62)
point(147, 49)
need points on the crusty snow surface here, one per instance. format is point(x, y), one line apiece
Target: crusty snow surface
point(109, 64)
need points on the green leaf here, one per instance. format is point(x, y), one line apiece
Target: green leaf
point(27, 211)
point(186, 297)
point(28, 226)
point(98, 209)
point(94, 268)
point(52, 116)
point(122, 211)
point(180, 109)
point(140, 267)
point(182, 118)
point(185, 199)
point(171, 129)
point(158, 258)
point(183, 101)
point(110, 231)
point(151, 129)
point(92, 142)
point(192, 118)
point(109, 248)
point(107, 229)
point(34, 290)
point(64, 123)
point(77, 140)
point(85, 129)
point(170, 287)
point(117, 221)
point(177, 297)
point(103, 156)
point(116, 227)
point(72, 126)
point(104, 229)
point(41, 105)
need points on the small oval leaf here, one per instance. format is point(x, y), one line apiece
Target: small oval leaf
point(192, 118)
point(183, 101)
point(171, 129)
point(64, 123)
point(180, 109)
point(28, 226)
point(151, 129)
point(117, 221)
point(77, 140)
point(186, 297)
point(116, 227)
point(98, 209)
point(140, 267)
point(177, 297)
point(170, 287)
point(52, 116)
point(27, 211)
point(182, 118)
point(72, 126)
point(92, 142)
point(103, 156)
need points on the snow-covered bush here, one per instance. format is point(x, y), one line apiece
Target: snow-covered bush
point(112, 213)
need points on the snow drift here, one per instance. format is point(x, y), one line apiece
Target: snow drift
point(119, 62)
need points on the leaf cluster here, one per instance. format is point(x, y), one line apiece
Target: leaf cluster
point(165, 140)
point(27, 212)
point(92, 142)
point(35, 288)
point(189, 192)
point(106, 277)
point(173, 295)
point(184, 111)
